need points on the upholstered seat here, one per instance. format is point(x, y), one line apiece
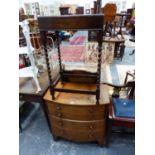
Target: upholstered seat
point(121, 110)
point(124, 107)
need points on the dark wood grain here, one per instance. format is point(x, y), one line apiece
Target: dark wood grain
point(76, 22)
point(76, 112)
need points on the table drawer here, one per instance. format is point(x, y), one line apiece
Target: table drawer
point(78, 125)
point(76, 112)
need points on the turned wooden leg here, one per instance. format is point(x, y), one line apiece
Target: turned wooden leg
point(109, 129)
point(20, 128)
point(44, 107)
point(101, 142)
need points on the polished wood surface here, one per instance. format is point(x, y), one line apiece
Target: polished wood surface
point(70, 98)
point(74, 112)
point(76, 117)
point(78, 125)
point(80, 136)
point(65, 22)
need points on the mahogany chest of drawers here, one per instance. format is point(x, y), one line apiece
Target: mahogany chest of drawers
point(76, 117)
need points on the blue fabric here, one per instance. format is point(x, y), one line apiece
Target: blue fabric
point(124, 107)
point(62, 34)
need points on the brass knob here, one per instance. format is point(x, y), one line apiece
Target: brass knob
point(58, 108)
point(91, 110)
point(59, 114)
point(91, 127)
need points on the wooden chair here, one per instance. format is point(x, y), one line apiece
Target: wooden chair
point(133, 51)
point(109, 12)
point(121, 110)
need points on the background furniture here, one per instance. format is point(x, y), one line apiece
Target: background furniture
point(27, 90)
point(109, 11)
point(129, 12)
point(133, 40)
point(122, 15)
point(80, 10)
point(121, 110)
point(92, 35)
point(119, 46)
point(31, 71)
point(64, 10)
point(21, 103)
point(57, 23)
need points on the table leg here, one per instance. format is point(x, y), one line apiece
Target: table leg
point(44, 107)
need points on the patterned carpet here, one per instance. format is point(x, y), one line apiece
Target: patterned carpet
point(79, 40)
point(70, 53)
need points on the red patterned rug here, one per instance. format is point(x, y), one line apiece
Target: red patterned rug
point(77, 40)
point(70, 53)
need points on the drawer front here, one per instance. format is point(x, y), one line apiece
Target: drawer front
point(75, 112)
point(79, 136)
point(76, 126)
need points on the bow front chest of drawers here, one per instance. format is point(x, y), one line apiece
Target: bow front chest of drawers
point(76, 117)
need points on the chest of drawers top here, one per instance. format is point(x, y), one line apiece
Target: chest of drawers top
point(77, 99)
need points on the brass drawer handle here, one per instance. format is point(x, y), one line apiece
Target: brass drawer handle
point(91, 126)
point(58, 108)
point(91, 110)
point(59, 114)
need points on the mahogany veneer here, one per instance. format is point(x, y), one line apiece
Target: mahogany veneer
point(76, 117)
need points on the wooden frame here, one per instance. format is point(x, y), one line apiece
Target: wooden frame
point(112, 119)
point(76, 22)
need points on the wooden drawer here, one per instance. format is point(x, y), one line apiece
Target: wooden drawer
point(76, 112)
point(79, 136)
point(75, 126)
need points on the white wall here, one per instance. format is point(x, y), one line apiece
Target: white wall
point(80, 2)
point(129, 3)
point(46, 2)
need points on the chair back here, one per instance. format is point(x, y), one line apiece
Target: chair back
point(109, 11)
point(131, 89)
